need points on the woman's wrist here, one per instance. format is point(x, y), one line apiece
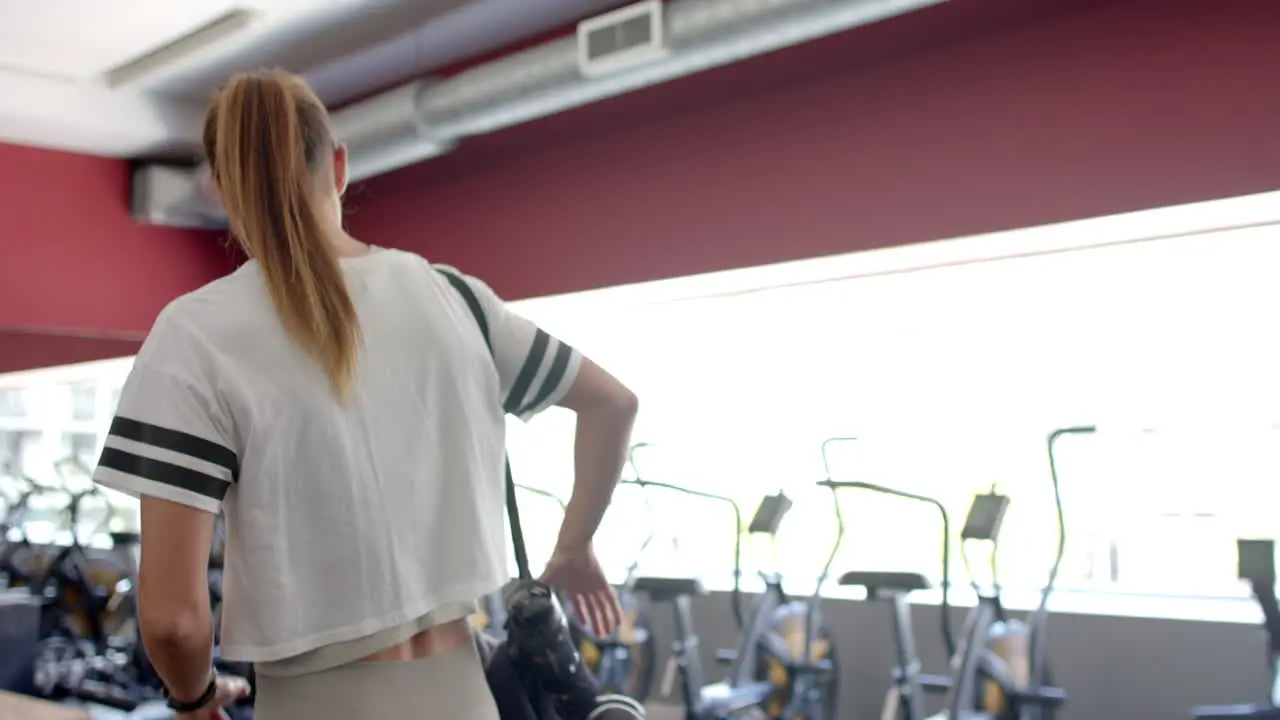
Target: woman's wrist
point(190, 701)
point(571, 544)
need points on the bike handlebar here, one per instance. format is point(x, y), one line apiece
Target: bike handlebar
point(948, 636)
point(736, 596)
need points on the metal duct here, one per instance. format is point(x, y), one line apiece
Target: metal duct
point(426, 118)
point(701, 34)
point(387, 132)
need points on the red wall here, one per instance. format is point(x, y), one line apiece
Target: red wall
point(79, 280)
point(23, 350)
point(973, 116)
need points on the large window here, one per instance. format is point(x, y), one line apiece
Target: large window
point(951, 363)
point(54, 443)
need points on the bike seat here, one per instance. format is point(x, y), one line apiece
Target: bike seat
point(666, 589)
point(125, 539)
point(892, 583)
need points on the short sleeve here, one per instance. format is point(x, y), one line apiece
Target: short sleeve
point(168, 439)
point(535, 370)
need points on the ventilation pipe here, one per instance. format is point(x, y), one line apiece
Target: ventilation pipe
point(426, 118)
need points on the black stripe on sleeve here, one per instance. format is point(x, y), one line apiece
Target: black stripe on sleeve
point(532, 361)
point(473, 302)
point(176, 441)
point(164, 473)
point(554, 377)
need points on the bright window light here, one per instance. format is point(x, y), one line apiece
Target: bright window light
point(950, 361)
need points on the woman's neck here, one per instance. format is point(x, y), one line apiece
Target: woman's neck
point(346, 246)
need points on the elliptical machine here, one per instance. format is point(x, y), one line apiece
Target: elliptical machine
point(998, 669)
point(785, 665)
point(1257, 566)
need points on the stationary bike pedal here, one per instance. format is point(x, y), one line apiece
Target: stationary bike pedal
point(726, 657)
point(816, 667)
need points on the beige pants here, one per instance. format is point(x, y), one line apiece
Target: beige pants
point(450, 686)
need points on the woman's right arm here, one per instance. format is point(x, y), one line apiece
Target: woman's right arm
point(606, 410)
point(536, 371)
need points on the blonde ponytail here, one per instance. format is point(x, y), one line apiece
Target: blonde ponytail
point(265, 136)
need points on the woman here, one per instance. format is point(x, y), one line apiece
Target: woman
point(338, 403)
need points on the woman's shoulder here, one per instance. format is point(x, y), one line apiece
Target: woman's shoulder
point(405, 263)
point(416, 269)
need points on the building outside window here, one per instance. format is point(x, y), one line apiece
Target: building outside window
point(14, 447)
point(82, 447)
point(12, 403)
point(84, 401)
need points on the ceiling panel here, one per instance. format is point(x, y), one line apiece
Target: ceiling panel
point(54, 53)
point(300, 38)
point(79, 39)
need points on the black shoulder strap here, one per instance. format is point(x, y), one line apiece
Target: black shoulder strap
point(513, 511)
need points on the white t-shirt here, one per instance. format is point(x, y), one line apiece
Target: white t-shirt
point(343, 519)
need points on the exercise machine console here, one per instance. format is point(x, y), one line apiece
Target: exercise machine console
point(1257, 566)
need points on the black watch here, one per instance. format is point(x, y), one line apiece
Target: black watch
point(205, 698)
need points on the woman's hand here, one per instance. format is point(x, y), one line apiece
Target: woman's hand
point(230, 689)
point(576, 571)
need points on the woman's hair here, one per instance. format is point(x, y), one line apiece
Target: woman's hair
point(266, 135)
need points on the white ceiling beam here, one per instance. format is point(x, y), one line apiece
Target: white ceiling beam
point(89, 118)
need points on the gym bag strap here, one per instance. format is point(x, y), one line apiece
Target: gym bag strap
point(513, 511)
point(536, 673)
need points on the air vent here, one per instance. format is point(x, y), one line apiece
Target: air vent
point(176, 196)
point(621, 39)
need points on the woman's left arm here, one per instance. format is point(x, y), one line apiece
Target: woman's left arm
point(172, 445)
point(173, 595)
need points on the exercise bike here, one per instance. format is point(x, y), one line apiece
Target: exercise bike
point(115, 674)
point(79, 591)
point(905, 697)
point(996, 671)
point(19, 561)
point(785, 665)
point(1257, 563)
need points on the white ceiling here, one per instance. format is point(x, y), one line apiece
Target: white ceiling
point(54, 56)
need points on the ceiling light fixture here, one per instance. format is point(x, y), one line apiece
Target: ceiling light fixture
point(176, 51)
